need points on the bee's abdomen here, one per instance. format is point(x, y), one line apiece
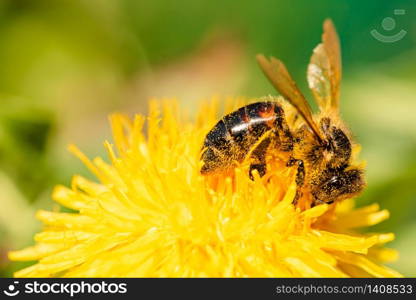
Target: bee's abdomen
point(233, 136)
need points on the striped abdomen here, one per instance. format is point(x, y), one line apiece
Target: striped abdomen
point(234, 136)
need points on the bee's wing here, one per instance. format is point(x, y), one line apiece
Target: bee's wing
point(278, 75)
point(324, 70)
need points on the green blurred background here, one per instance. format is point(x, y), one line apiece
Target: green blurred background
point(66, 64)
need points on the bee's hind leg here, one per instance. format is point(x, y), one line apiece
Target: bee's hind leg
point(300, 176)
point(261, 169)
point(258, 157)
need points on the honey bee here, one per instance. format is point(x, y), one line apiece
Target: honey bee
point(318, 145)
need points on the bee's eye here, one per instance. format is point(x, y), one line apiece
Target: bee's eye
point(334, 179)
point(335, 182)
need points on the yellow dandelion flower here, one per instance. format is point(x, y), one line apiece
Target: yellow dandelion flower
point(153, 214)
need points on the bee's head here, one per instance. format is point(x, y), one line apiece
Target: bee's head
point(338, 184)
point(338, 180)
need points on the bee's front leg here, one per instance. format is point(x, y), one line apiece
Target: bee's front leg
point(300, 176)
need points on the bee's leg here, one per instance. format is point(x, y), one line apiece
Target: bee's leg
point(258, 157)
point(261, 169)
point(317, 202)
point(300, 176)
